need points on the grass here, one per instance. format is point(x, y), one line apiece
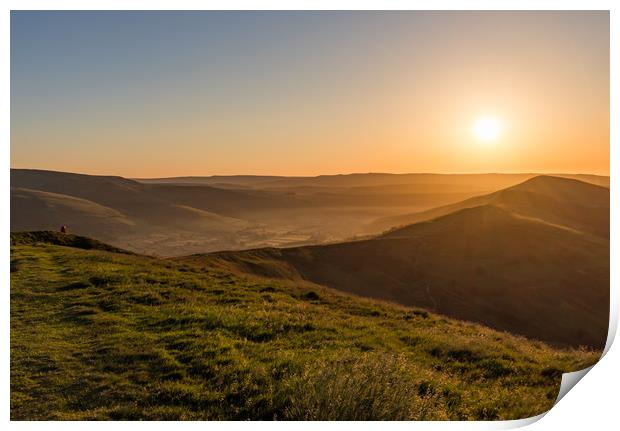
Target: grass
point(57, 238)
point(97, 334)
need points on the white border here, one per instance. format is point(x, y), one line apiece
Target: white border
point(591, 404)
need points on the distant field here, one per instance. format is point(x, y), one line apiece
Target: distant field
point(102, 335)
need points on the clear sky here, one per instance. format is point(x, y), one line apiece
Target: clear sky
point(148, 94)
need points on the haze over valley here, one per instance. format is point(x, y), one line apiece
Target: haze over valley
point(176, 216)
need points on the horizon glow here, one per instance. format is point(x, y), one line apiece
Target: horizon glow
point(182, 93)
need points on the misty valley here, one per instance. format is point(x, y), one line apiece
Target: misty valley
point(176, 216)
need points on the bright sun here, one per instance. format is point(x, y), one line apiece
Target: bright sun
point(487, 128)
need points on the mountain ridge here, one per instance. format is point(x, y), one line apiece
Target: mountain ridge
point(539, 195)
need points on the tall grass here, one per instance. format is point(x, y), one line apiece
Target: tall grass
point(369, 387)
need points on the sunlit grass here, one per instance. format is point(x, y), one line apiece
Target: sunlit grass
point(101, 335)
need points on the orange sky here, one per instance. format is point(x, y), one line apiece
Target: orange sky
point(308, 93)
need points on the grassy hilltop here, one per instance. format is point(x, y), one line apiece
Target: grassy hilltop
point(99, 334)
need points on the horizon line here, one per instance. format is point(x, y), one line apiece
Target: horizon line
point(321, 175)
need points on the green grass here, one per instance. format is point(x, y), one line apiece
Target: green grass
point(66, 239)
point(103, 335)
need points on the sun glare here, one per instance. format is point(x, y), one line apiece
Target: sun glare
point(487, 128)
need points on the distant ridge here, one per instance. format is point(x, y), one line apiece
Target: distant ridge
point(565, 201)
point(364, 179)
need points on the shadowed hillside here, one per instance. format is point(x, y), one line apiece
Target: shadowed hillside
point(103, 335)
point(533, 273)
point(567, 202)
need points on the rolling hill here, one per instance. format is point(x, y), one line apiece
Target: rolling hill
point(567, 202)
point(150, 202)
point(176, 218)
point(173, 217)
point(35, 209)
point(97, 333)
point(542, 272)
point(152, 218)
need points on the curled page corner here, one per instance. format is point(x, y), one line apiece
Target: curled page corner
point(569, 380)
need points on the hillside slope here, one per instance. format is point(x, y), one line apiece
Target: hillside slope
point(155, 203)
point(531, 273)
point(567, 202)
point(35, 209)
point(155, 218)
point(103, 335)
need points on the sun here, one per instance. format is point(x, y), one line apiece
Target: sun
point(487, 128)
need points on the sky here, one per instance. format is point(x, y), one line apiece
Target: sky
point(173, 93)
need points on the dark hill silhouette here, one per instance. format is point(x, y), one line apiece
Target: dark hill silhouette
point(567, 202)
point(544, 277)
